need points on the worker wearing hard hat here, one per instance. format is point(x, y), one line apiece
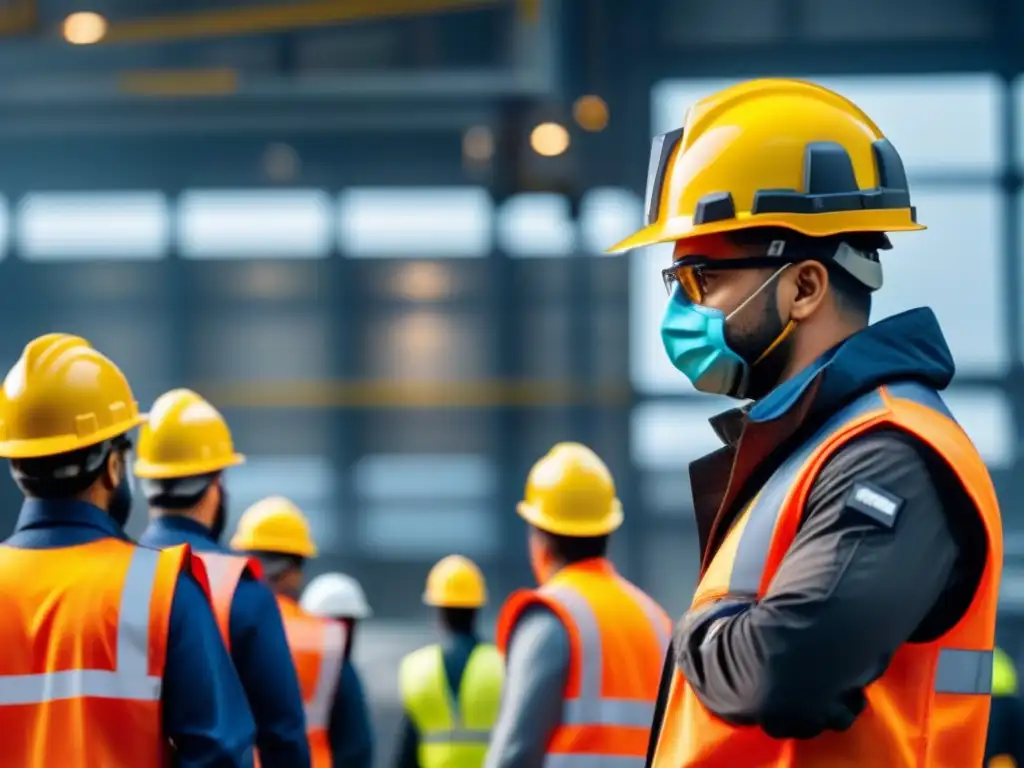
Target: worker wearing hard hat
point(851, 535)
point(450, 691)
point(1005, 745)
point(184, 447)
point(584, 650)
point(337, 721)
point(340, 597)
point(111, 655)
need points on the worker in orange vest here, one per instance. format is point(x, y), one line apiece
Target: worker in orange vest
point(852, 547)
point(583, 650)
point(184, 448)
point(111, 655)
point(337, 718)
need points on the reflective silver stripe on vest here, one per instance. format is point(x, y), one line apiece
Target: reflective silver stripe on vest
point(964, 672)
point(456, 736)
point(593, 761)
point(756, 539)
point(589, 707)
point(332, 653)
point(216, 569)
point(130, 680)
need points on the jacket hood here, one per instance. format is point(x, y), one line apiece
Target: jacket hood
point(904, 347)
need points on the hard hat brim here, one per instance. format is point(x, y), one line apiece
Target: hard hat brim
point(54, 446)
point(810, 224)
point(536, 517)
point(453, 603)
point(152, 470)
point(274, 548)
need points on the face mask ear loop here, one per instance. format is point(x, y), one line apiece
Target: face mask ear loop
point(778, 340)
point(785, 331)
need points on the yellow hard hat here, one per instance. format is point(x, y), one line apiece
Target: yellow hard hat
point(60, 396)
point(455, 582)
point(184, 436)
point(274, 525)
point(773, 153)
point(570, 492)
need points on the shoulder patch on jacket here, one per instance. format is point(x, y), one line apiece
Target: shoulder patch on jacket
point(878, 504)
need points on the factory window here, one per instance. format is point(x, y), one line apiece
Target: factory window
point(426, 346)
point(607, 215)
point(463, 477)
point(918, 272)
point(62, 226)
point(664, 439)
point(308, 481)
point(939, 123)
point(426, 505)
point(262, 344)
point(986, 416)
point(536, 225)
point(255, 224)
point(442, 222)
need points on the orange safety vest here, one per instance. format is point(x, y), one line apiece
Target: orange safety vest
point(84, 639)
point(930, 707)
point(224, 571)
point(318, 647)
point(617, 639)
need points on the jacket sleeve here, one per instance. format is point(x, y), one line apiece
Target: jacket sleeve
point(259, 649)
point(205, 711)
point(531, 704)
point(407, 753)
point(350, 732)
point(849, 592)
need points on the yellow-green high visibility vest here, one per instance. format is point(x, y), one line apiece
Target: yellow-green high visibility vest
point(453, 732)
point(1004, 674)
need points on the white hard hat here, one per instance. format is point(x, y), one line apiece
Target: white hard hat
point(335, 595)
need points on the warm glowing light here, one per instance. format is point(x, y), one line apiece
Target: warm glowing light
point(478, 144)
point(591, 113)
point(84, 28)
point(549, 139)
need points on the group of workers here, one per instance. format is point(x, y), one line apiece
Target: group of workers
point(850, 536)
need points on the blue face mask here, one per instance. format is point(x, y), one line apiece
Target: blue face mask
point(694, 339)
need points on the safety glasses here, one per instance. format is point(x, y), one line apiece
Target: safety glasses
point(695, 274)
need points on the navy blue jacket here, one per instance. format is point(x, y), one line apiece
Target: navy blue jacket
point(350, 733)
point(259, 650)
point(204, 706)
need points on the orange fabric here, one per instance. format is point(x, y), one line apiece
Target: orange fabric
point(618, 656)
point(315, 643)
point(910, 721)
point(224, 572)
point(62, 611)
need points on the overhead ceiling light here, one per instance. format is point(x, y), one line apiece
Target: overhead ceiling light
point(591, 113)
point(84, 28)
point(549, 139)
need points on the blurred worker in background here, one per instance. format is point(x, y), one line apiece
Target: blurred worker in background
point(184, 448)
point(110, 651)
point(450, 691)
point(851, 535)
point(1005, 745)
point(337, 721)
point(584, 650)
point(340, 597)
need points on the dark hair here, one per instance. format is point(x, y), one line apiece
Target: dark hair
point(852, 297)
point(461, 621)
point(572, 549)
point(65, 475)
point(177, 492)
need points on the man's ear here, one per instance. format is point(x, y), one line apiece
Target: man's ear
point(114, 470)
point(811, 284)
